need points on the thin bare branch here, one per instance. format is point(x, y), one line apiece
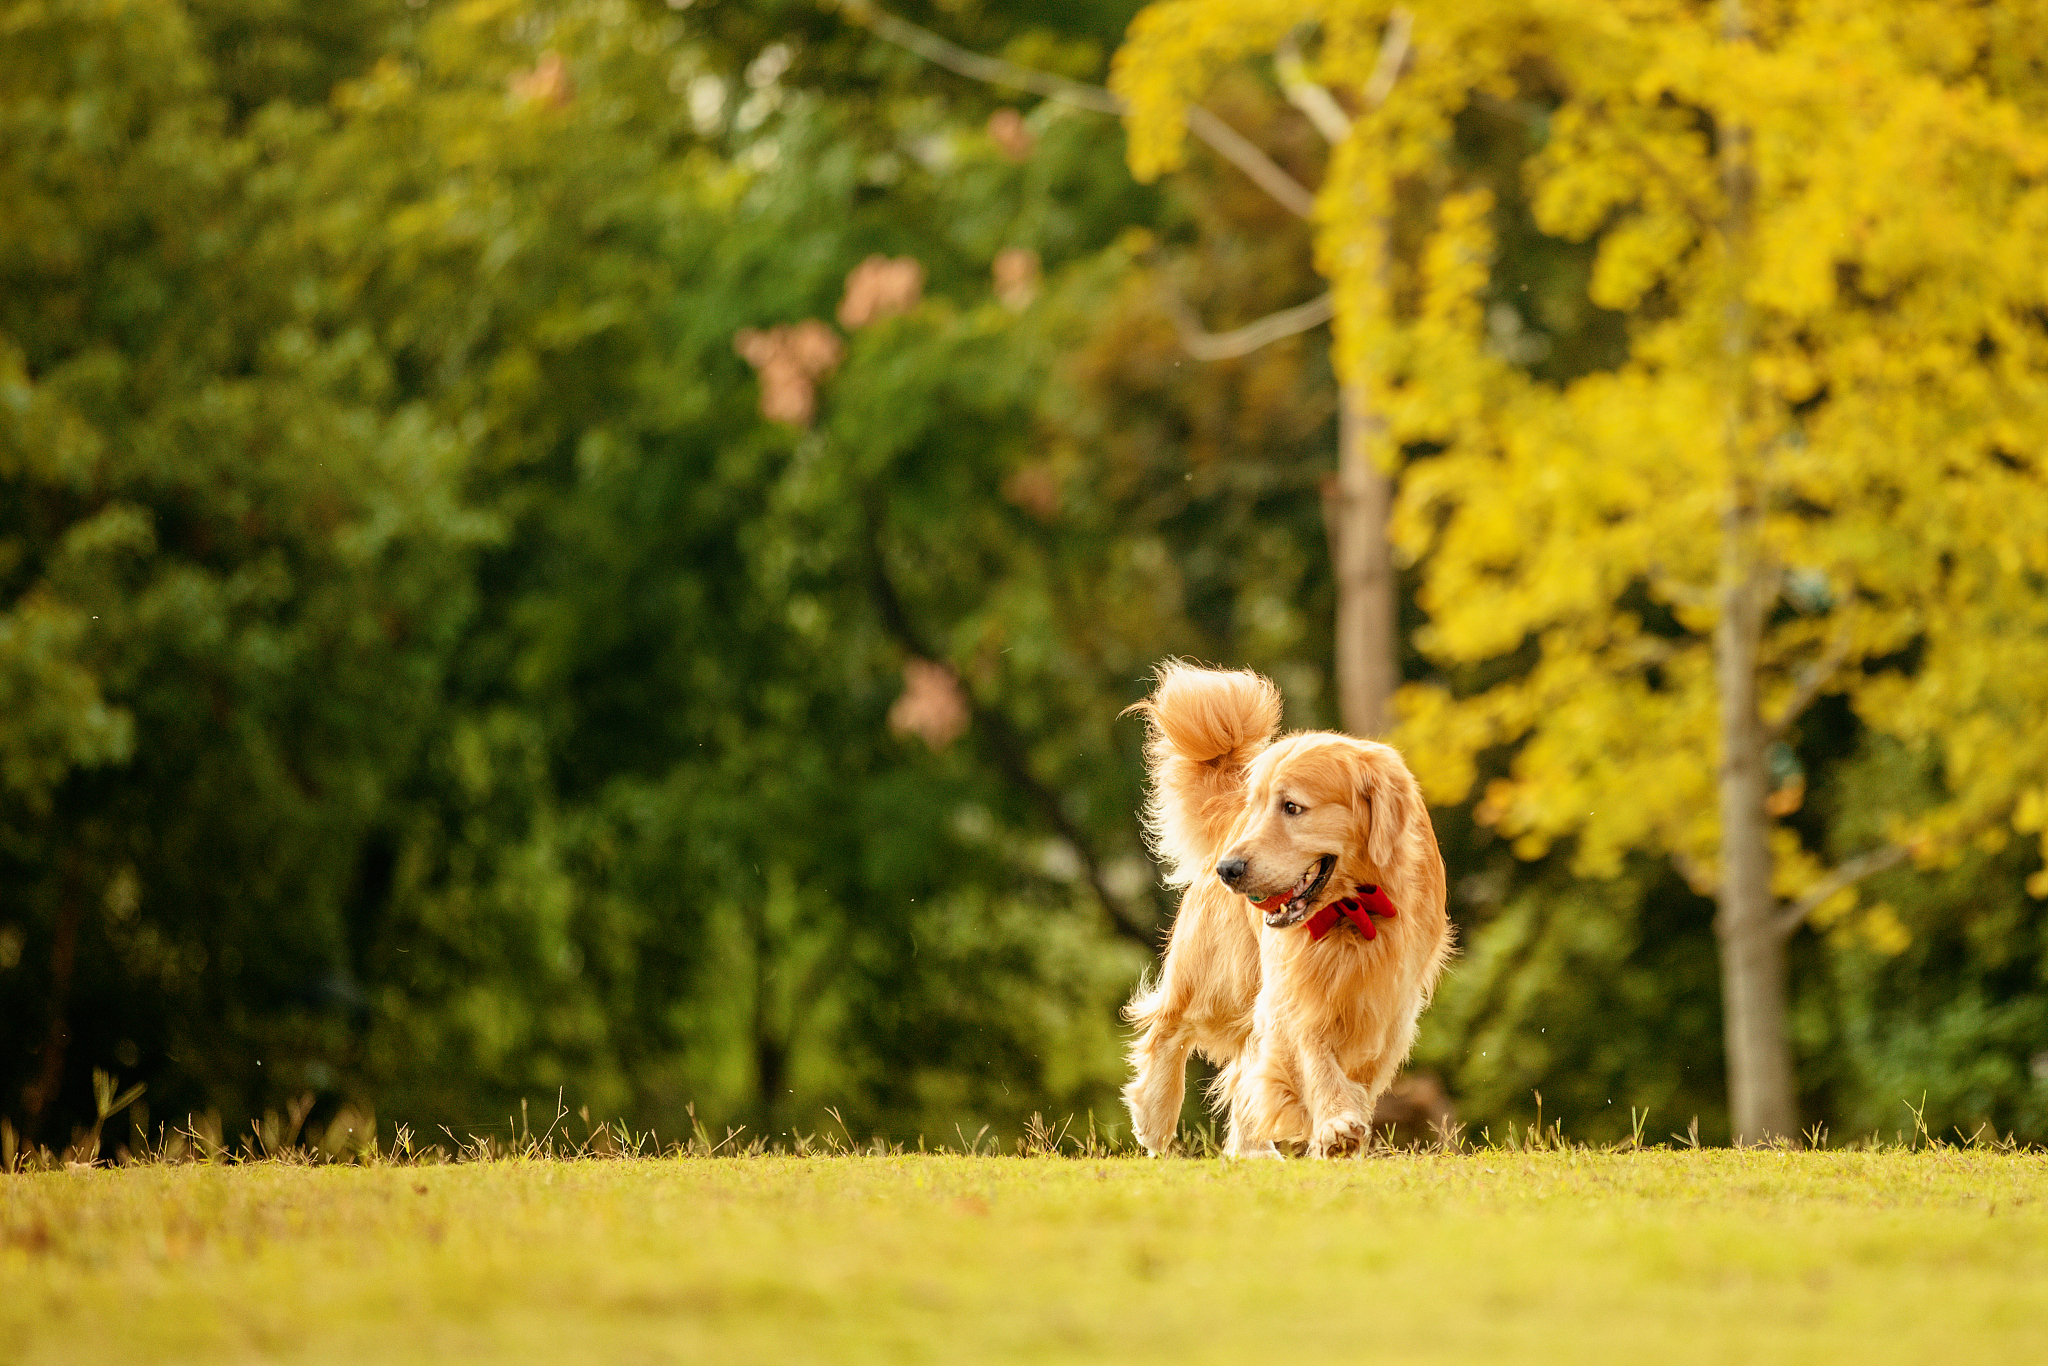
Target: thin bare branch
point(1244, 340)
point(1811, 680)
point(1317, 103)
point(1226, 141)
point(1006, 746)
point(975, 66)
point(1393, 56)
point(1845, 875)
point(1239, 150)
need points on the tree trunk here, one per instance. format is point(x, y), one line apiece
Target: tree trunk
point(1760, 1086)
point(1368, 660)
point(42, 1092)
point(771, 1073)
point(770, 1042)
point(1761, 1095)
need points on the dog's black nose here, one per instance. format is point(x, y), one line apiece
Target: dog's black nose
point(1231, 870)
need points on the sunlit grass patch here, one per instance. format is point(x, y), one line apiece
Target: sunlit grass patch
point(1563, 1253)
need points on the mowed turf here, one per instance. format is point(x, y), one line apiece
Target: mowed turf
point(1568, 1256)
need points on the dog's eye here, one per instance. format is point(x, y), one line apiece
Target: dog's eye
point(1291, 808)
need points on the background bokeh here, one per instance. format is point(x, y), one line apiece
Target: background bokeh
point(456, 651)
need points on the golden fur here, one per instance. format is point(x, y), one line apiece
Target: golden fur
point(1306, 1035)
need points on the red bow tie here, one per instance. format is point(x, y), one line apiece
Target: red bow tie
point(1359, 908)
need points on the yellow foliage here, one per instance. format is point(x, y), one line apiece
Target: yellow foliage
point(1880, 929)
point(1886, 401)
point(1172, 53)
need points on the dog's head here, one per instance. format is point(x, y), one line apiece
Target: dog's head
point(1324, 814)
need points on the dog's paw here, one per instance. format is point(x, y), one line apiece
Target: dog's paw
point(1256, 1151)
point(1153, 1129)
point(1155, 1144)
point(1340, 1136)
point(1153, 1102)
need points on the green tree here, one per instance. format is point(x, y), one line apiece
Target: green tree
point(689, 644)
point(230, 571)
point(624, 636)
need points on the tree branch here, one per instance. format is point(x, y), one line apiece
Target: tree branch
point(1845, 875)
point(1811, 681)
point(1244, 340)
point(1226, 141)
point(1239, 150)
point(974, 66)
point(1006, 746)
point(1319, 104)
point(1393, 56)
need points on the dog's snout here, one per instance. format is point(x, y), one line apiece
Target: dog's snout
point(1231, 870)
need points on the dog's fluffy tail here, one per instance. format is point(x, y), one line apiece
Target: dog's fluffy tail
point(1205, 725)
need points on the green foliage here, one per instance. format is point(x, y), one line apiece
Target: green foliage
point(233, 572)
point(670, 851)
point(427, 679)
point(1600, 996)
point(1945, 1010)
point(480, 698)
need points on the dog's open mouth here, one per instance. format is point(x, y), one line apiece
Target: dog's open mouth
point(1291, 906)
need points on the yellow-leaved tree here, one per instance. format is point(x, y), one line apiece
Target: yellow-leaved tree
point(1823, 467)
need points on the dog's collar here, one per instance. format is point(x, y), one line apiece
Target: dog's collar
point(1359, 908)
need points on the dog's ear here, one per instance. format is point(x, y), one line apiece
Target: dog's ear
point(1389, 802)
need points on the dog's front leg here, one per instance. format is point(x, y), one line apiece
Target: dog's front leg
point(1159, 1069)
point(1235, 1144)
point(1340, 1110)
point(1262, 1098)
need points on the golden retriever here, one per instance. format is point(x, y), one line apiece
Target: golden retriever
point(1312, 931)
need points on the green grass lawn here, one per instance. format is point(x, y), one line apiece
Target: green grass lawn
point(1496, 1255)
